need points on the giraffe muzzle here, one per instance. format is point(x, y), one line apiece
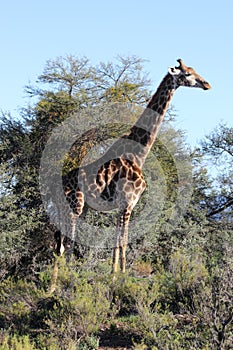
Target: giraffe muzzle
point(205, 85)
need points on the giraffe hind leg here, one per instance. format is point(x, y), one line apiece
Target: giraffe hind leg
point(59, 251)
point(77, 204)
point(59, 239)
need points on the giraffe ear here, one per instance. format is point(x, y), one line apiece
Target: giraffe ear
point(174, 70)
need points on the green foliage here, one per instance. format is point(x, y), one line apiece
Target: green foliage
point(66, 320)
point(17, 343)
point(170, 309)
point(82, 303)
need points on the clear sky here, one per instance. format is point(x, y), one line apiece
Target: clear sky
point(200, 32)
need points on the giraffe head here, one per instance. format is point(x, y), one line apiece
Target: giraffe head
point(186, 76)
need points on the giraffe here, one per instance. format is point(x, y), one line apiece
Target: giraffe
point(116, 181)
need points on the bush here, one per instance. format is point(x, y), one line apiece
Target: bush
point(170, 309)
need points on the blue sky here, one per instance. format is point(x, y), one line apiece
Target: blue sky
point(200, 32)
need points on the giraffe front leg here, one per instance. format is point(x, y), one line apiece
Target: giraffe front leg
point(116, 254)
point(124, 238)
point(116, 250)
point(123, 248)
point(123, 258)
point(119, 252)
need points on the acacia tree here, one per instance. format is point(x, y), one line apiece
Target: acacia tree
point(124, 81)
point(218, 149)
point(216, 202)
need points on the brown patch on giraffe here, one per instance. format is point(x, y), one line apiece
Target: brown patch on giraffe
point(130, 173)
point(79, 195)
point(138, 183)
point(99, 179)
point(128, 187)
point(123, 172)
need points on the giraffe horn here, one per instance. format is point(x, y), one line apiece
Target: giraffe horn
point(182, 66)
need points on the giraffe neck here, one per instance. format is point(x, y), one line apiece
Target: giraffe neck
point(145, 130)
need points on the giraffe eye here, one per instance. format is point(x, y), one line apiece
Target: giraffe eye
point(187, 74)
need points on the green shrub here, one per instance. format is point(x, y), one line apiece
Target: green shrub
point(15, 342)
point(80, 306)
